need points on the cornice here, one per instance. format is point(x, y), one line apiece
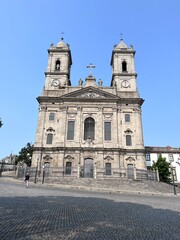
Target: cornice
point(56, 73)
point(83, 149)
point(124, 74)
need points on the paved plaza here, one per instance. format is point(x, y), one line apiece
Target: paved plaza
point(42, 212)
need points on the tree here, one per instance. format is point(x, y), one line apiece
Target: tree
point(1, 123)
point(163, 168)
point(25, 155)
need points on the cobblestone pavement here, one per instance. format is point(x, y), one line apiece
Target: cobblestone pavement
point(41, 212)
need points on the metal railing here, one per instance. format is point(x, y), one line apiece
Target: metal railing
point(50, 173)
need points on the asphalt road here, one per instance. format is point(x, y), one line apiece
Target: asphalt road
point(41, 212)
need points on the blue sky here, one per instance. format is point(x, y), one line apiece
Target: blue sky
point(91, 27)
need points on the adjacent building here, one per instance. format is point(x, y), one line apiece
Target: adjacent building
point(171, 154)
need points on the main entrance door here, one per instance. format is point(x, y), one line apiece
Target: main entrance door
point(130, 171)
point(88, 168)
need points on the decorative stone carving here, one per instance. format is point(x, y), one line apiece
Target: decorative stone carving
point(72, 115)
point(100, 82)
point(91, 95)
point(108, 115)
point(80, 82)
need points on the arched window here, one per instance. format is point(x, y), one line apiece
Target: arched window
point(68, 168)
point(89, 129)
point(124, 66)
point(57, 65)
point(108, 168)
point(49, 139)
point(128, 140)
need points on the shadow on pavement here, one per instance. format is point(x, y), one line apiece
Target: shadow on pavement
point(60, 217)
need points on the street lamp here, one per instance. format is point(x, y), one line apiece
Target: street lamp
point(174, 187)
point(35, 179)
point(43, 173)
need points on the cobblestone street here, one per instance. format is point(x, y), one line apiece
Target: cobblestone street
point(41, 212)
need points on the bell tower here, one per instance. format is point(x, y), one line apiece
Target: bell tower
point(123, 68)
point(59, 65)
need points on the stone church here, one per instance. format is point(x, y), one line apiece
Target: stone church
point(90, 130)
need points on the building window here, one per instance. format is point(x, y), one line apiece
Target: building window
point(68, 168)
point(108, 169)
point(107, 131)
point(128, 140)
point(124, 66)
point(51, 116)
point(89, 129)
point(127, 117)
point(70, 131)
point(49, 139)
point(57, 65)
point(170, 157)
point(148, 157)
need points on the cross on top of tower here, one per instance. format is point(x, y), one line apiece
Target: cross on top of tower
point(90, 66)
point(121, 36)
point(62, 33)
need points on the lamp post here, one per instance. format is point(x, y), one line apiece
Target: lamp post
point(174, 187)
point(35, 179)
point(43, 173)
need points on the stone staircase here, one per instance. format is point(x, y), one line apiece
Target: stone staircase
point(106, 184)
point(121, 185)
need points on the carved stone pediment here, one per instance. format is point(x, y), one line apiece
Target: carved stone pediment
point(50, 129)
point(90, 93)
point(128, 131)
point(69, 158)
point(47, 158)
point(108, 158)
point(130, 160)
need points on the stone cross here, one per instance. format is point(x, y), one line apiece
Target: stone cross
point(90, 66)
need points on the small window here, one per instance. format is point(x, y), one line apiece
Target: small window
point(108, 168)
point(124, 66)
point(148, 157)
point(107, 131)
point(127, 117)
point(57, 65)
point(49, 139)
point(128, 140)
point(170, 157)
point(68, 168)
point(70, 131)
point(51, 116)
point(89, 128)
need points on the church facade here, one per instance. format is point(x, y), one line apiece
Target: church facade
point(90, 130)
